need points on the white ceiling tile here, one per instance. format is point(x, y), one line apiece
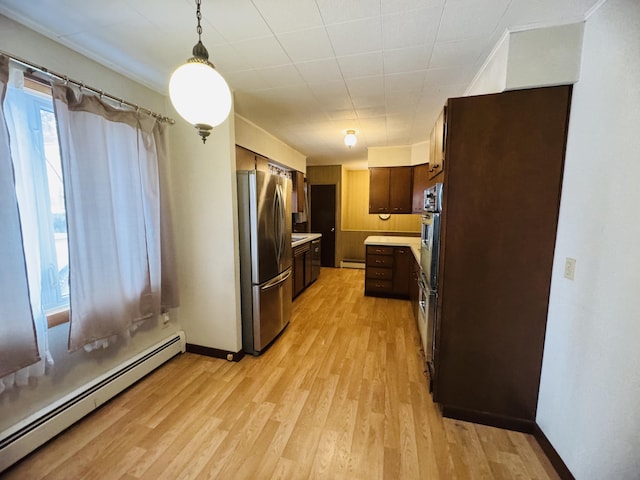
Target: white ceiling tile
point(470, 18)
point(365, 64)
point(286, 16)
point(320, 71)
point(407, 59)
point(400, 84)
point(305, 45)
point(227, 59)
point(330, 90)
point(530, 13)
point(348, 114)
point(453, 54)
point(281, 76)
point(410, 28)
point(372, 111)
point(394, 6)
point(76, 18)
point(262, 52)
point(370, 86)
point(236, 20)
point(336, 11)
point(361, 36)
point(247, 80)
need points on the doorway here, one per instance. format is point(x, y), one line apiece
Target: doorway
point(323, 220)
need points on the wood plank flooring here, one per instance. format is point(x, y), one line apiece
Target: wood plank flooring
point(341, 395)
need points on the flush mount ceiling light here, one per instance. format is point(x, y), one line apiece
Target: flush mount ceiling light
point(350, 138)
point(198, 92)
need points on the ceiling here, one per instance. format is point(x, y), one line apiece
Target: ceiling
point(306, 70)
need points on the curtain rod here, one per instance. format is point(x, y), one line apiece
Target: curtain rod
point(101, 93)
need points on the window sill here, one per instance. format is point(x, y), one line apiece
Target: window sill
point(57, 317)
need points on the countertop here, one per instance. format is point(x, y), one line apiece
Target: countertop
point(303, 238)
point(412, 242)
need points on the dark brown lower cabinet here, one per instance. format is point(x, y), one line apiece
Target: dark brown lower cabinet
point(505, 155)
point(301, 267)
point(388, 271)
point(402, 260)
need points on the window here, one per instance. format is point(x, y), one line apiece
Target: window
point(37, 126)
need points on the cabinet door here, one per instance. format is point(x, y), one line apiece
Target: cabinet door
point(420, 183)
point(379, 190)
point(307, 268)
point(402, 262)
point(297, 203)
point(298, 274)
point(400, 193)
point(439, 139)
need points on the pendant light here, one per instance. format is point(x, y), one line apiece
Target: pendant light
point(350, 138)
point(198, 92)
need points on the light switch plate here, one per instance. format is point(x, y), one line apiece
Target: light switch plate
point(569, 268)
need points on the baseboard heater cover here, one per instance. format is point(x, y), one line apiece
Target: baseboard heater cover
point(352, 264)
point(24, 437)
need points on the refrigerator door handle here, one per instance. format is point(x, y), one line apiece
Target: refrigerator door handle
point(276, 281)
point(279, 224)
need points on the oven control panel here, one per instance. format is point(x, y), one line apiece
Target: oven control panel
point(433, 198)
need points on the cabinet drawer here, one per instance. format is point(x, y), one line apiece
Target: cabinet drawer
point(379, 250)
point(378, 286)
point(380, 273)
point(379, 261)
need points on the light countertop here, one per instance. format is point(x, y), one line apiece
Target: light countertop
point(300, 238)
point(412, 242)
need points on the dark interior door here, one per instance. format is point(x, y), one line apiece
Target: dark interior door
point(323, 220)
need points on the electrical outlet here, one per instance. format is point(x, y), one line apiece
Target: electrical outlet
point(570, 268)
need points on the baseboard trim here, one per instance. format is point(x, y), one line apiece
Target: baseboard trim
point(215, 352)
point(490, 419)
point(561, 468)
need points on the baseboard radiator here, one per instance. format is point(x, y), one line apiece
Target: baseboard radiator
point(352, 263)
point(29, 434)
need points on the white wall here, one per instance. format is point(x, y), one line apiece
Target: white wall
point(544, 56)
point(531, 58)
point(389, 156)
point(590, 390)
point(256, 139)
point(492, 77)
point(205, 210)
point(420, 153)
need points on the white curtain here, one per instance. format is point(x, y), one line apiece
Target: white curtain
point(23, 327)
point(112, 189)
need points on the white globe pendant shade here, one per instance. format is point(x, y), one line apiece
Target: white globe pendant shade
point(200, 95)
point(350, 138)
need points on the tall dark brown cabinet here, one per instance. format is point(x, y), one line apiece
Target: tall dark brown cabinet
point(502, 183)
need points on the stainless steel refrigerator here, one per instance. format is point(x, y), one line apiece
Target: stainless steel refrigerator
point(264, 222)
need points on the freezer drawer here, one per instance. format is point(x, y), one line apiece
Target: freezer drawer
point(271, 312)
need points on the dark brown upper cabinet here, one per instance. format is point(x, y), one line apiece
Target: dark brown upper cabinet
point(420, 183)
point(248, 160)
point(438, 144)
point(298, 203)
point(390, 189)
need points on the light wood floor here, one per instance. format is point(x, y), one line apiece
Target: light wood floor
point(340, 395)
